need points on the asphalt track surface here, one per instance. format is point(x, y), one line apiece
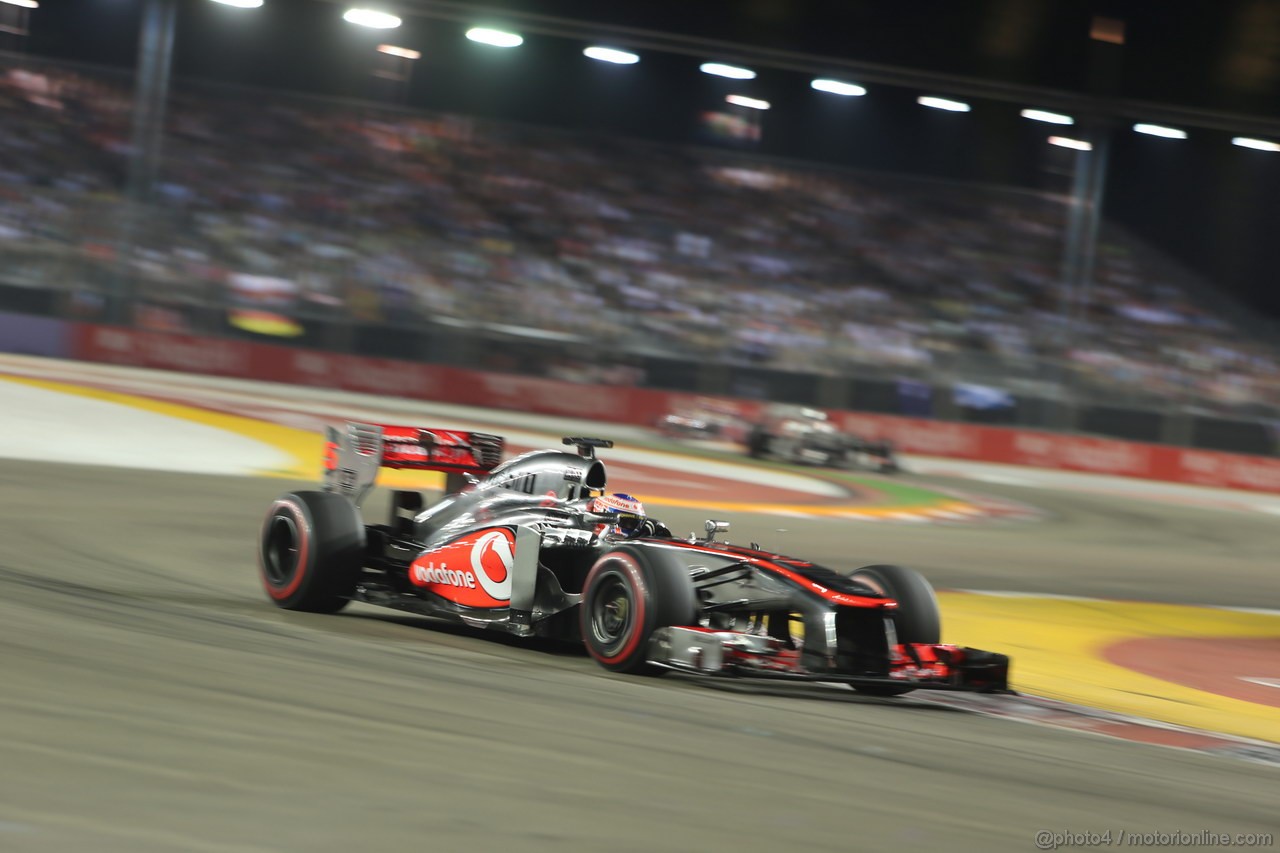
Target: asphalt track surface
point(151, 699)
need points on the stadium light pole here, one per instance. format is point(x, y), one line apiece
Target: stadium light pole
point(151, 91)
point(1079, 256)
point(150, 96)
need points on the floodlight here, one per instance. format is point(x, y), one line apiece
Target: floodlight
point(1045, 115)
point(1255, 144)
point(495, 38)
point(1160, 130)
point(744, 101)
point(371, 18)
point(1067, 142)
point(610, 54)
point(943, 104)
point(837, 87)
point(733, 72)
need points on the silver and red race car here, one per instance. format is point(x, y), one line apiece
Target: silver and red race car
point(535, 546)
point(806, 436)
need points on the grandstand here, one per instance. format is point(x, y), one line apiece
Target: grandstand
point(445, 237)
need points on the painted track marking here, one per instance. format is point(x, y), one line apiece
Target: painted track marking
point(1057, 646)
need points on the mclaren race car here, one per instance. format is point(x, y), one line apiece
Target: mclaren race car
point(535, 546)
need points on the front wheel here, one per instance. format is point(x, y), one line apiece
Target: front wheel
point(917, 619)
point(629, 593)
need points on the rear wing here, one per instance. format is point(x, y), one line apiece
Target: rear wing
point(353, 454)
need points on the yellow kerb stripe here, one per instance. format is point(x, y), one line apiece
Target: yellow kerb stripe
point(1056, 646)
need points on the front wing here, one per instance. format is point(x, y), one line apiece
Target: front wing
point(915, 666)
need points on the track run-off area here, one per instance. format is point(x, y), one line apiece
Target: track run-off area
point(156, 701)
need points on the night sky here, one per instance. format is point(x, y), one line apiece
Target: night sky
point(1211, 204)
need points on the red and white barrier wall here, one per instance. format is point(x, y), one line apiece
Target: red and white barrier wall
point(249, 360)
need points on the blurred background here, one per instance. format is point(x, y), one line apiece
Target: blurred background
point(1051, 214)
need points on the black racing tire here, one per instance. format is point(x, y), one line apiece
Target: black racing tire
point(917, 619)
point(888, 458)
point(757, 443)
point(310, 551)
point(629, 593)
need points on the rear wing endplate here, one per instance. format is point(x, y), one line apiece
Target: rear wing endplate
point(353, 454)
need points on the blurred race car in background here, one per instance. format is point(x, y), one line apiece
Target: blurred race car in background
point(805, 436)
point(535, 546)
point(706, 418)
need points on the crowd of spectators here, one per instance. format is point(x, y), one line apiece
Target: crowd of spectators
point(385, 216)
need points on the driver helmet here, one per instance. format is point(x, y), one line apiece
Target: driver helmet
point(628, 513)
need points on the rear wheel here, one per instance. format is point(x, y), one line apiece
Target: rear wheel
point(630, 593)
point(917, 619)
point(310, 551)
point(888, 459)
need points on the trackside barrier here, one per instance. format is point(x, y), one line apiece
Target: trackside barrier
point(252, 360)
point(27, 335)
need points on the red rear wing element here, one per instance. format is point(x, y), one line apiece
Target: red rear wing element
point(440, 450)
point(353, 455)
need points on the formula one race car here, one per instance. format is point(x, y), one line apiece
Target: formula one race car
point(805, 436)
point(705, 419)
point(536, 547)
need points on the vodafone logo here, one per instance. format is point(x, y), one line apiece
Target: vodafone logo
point(429, 574)
point(492, 561)
point(481, 569)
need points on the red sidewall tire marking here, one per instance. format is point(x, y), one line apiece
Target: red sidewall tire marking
point(304, 548)
point(637, 624)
